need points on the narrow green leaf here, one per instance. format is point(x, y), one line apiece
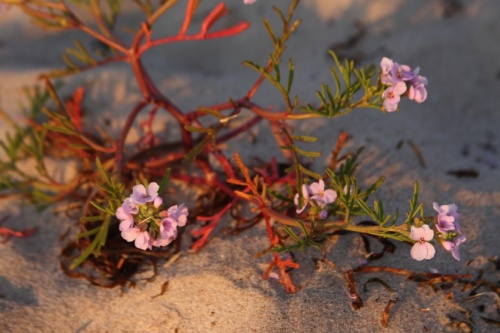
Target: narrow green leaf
point(164, 181)
point(309, 172)
point(313, 154)
point(305, 138)
point(102, 172)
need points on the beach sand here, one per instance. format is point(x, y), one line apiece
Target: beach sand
point(220, 289)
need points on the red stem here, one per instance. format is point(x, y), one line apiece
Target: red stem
point(123, 135)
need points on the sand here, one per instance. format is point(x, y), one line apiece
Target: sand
point(220, 289)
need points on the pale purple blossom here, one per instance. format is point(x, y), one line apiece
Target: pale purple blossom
point(422, 249)
point(168, 232)
point(320, 195)
point(401, 73)
point(179, 214)
point(447, 218)
point(168, 228)
point(417, 91)
point(452, 246)
point(305, 195)
point(141, 195)
point(392, 96)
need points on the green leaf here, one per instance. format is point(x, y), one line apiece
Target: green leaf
point(102, 172)
point(305, 138)
point(164, 181)
point(313, 154)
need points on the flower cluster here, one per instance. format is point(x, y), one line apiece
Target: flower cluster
point(317, 196)
point(449, 234)
point(448, 228)
point(401, 79)
point(143, 220)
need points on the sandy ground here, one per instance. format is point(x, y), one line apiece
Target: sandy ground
point(220, 290)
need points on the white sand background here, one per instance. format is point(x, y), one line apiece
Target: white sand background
point(220, 289)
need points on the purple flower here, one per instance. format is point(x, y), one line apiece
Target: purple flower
point(447, 218)
point(320, 195)
point(323, 214)
point(422, 249)
point(452, 246)
point(140, 195)
point(417, 91)
point(305, 195)
point(179, 214)
point(392, 96)
point(142, 238)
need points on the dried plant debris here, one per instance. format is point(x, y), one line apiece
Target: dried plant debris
point(164, 288)
point(387, 311)
point(463, 173)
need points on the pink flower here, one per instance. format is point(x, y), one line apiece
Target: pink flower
point(305, 195)
point(386, 65)
point(140, 195)
point(392, 96)
point(249, 2)
point(320, 195)
point(422, 249)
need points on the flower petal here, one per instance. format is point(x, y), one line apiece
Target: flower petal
point(121, 215)
point(428, 232)
point(126, 224)
point(418, 251)
point(153, 189)
point(329, 196)
point(157, 202)
point(139, 194)
point(416, 233)
point(142, 240)
point(130, 234)
point(431, 251)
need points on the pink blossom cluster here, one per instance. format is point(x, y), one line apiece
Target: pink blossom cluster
point(144, 222)
point(448, 229)
point(401, 79)
point(315, 193)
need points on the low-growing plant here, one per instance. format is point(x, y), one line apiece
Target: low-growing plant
point(121, 194)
